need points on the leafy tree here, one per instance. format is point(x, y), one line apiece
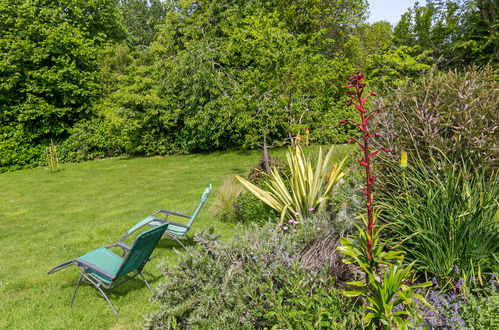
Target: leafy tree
point(456, 32)
point(221, 74)
point(47, 70)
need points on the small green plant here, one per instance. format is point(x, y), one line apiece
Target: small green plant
point(305, 190)
point(390, 297)
point(53, 158)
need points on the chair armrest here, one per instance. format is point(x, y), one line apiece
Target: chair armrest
point(177, 224)
point(125, 248)
point(172, 213)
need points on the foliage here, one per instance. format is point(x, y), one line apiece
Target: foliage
point(305, 300)
point(230, 285)
point(248, 208)
point(307, 189)
point(142, 18)
point(257, 173)
point(444, 215)
point(48, 70)
point(456, 32)
point(91, 139)
point(222, 74)
point(455, 112)
point(479, 311)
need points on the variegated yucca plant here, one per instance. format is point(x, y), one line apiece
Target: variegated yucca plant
point(305, 190)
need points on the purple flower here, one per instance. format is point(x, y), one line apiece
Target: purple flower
point(459, 283)
point(311, 209)
point(435, 283)
point(291, 221)
point(456, 269)
point(285, 228)
point(293, 230)
point(297, 213)
point(295, 222)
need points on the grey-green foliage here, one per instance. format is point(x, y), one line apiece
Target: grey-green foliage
point(229, 285)
point(455, 112)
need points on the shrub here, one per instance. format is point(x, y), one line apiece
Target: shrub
point(453, 111)
point(227, 285)
point(257, 173)
point(444, 216)
point(305, 300)
point(96, 138)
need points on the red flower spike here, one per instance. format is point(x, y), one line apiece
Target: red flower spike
point(358, 99)
point(343, 121)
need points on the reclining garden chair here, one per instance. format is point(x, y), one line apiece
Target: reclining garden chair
point(175, 230)
point(104, 269)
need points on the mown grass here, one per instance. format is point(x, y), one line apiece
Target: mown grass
point(49, 217)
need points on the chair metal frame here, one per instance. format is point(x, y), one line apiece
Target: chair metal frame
point(90, 278)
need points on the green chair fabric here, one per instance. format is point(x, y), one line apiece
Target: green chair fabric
point(104, 269)
point(175, 230)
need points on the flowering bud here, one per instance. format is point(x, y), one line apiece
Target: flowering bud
point(403, 160)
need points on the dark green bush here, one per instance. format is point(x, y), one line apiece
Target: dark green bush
point(229, 285)
point(249, 208)
point(96, 138)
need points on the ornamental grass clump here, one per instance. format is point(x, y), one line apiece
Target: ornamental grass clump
point(445, 217)
point(390, 300)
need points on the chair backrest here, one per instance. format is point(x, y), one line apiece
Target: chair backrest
point(141, 250)
point(205, 195)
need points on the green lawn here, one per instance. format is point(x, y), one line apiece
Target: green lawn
point(47, 218)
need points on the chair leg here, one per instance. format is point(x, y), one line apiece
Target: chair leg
point(179, 242)
point(147, 284)
point(76, 288)
point(107, 299)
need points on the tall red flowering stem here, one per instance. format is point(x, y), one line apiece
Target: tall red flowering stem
point(358, 100)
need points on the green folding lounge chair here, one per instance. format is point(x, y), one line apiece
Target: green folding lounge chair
point(175, 230)
point(104, 269)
